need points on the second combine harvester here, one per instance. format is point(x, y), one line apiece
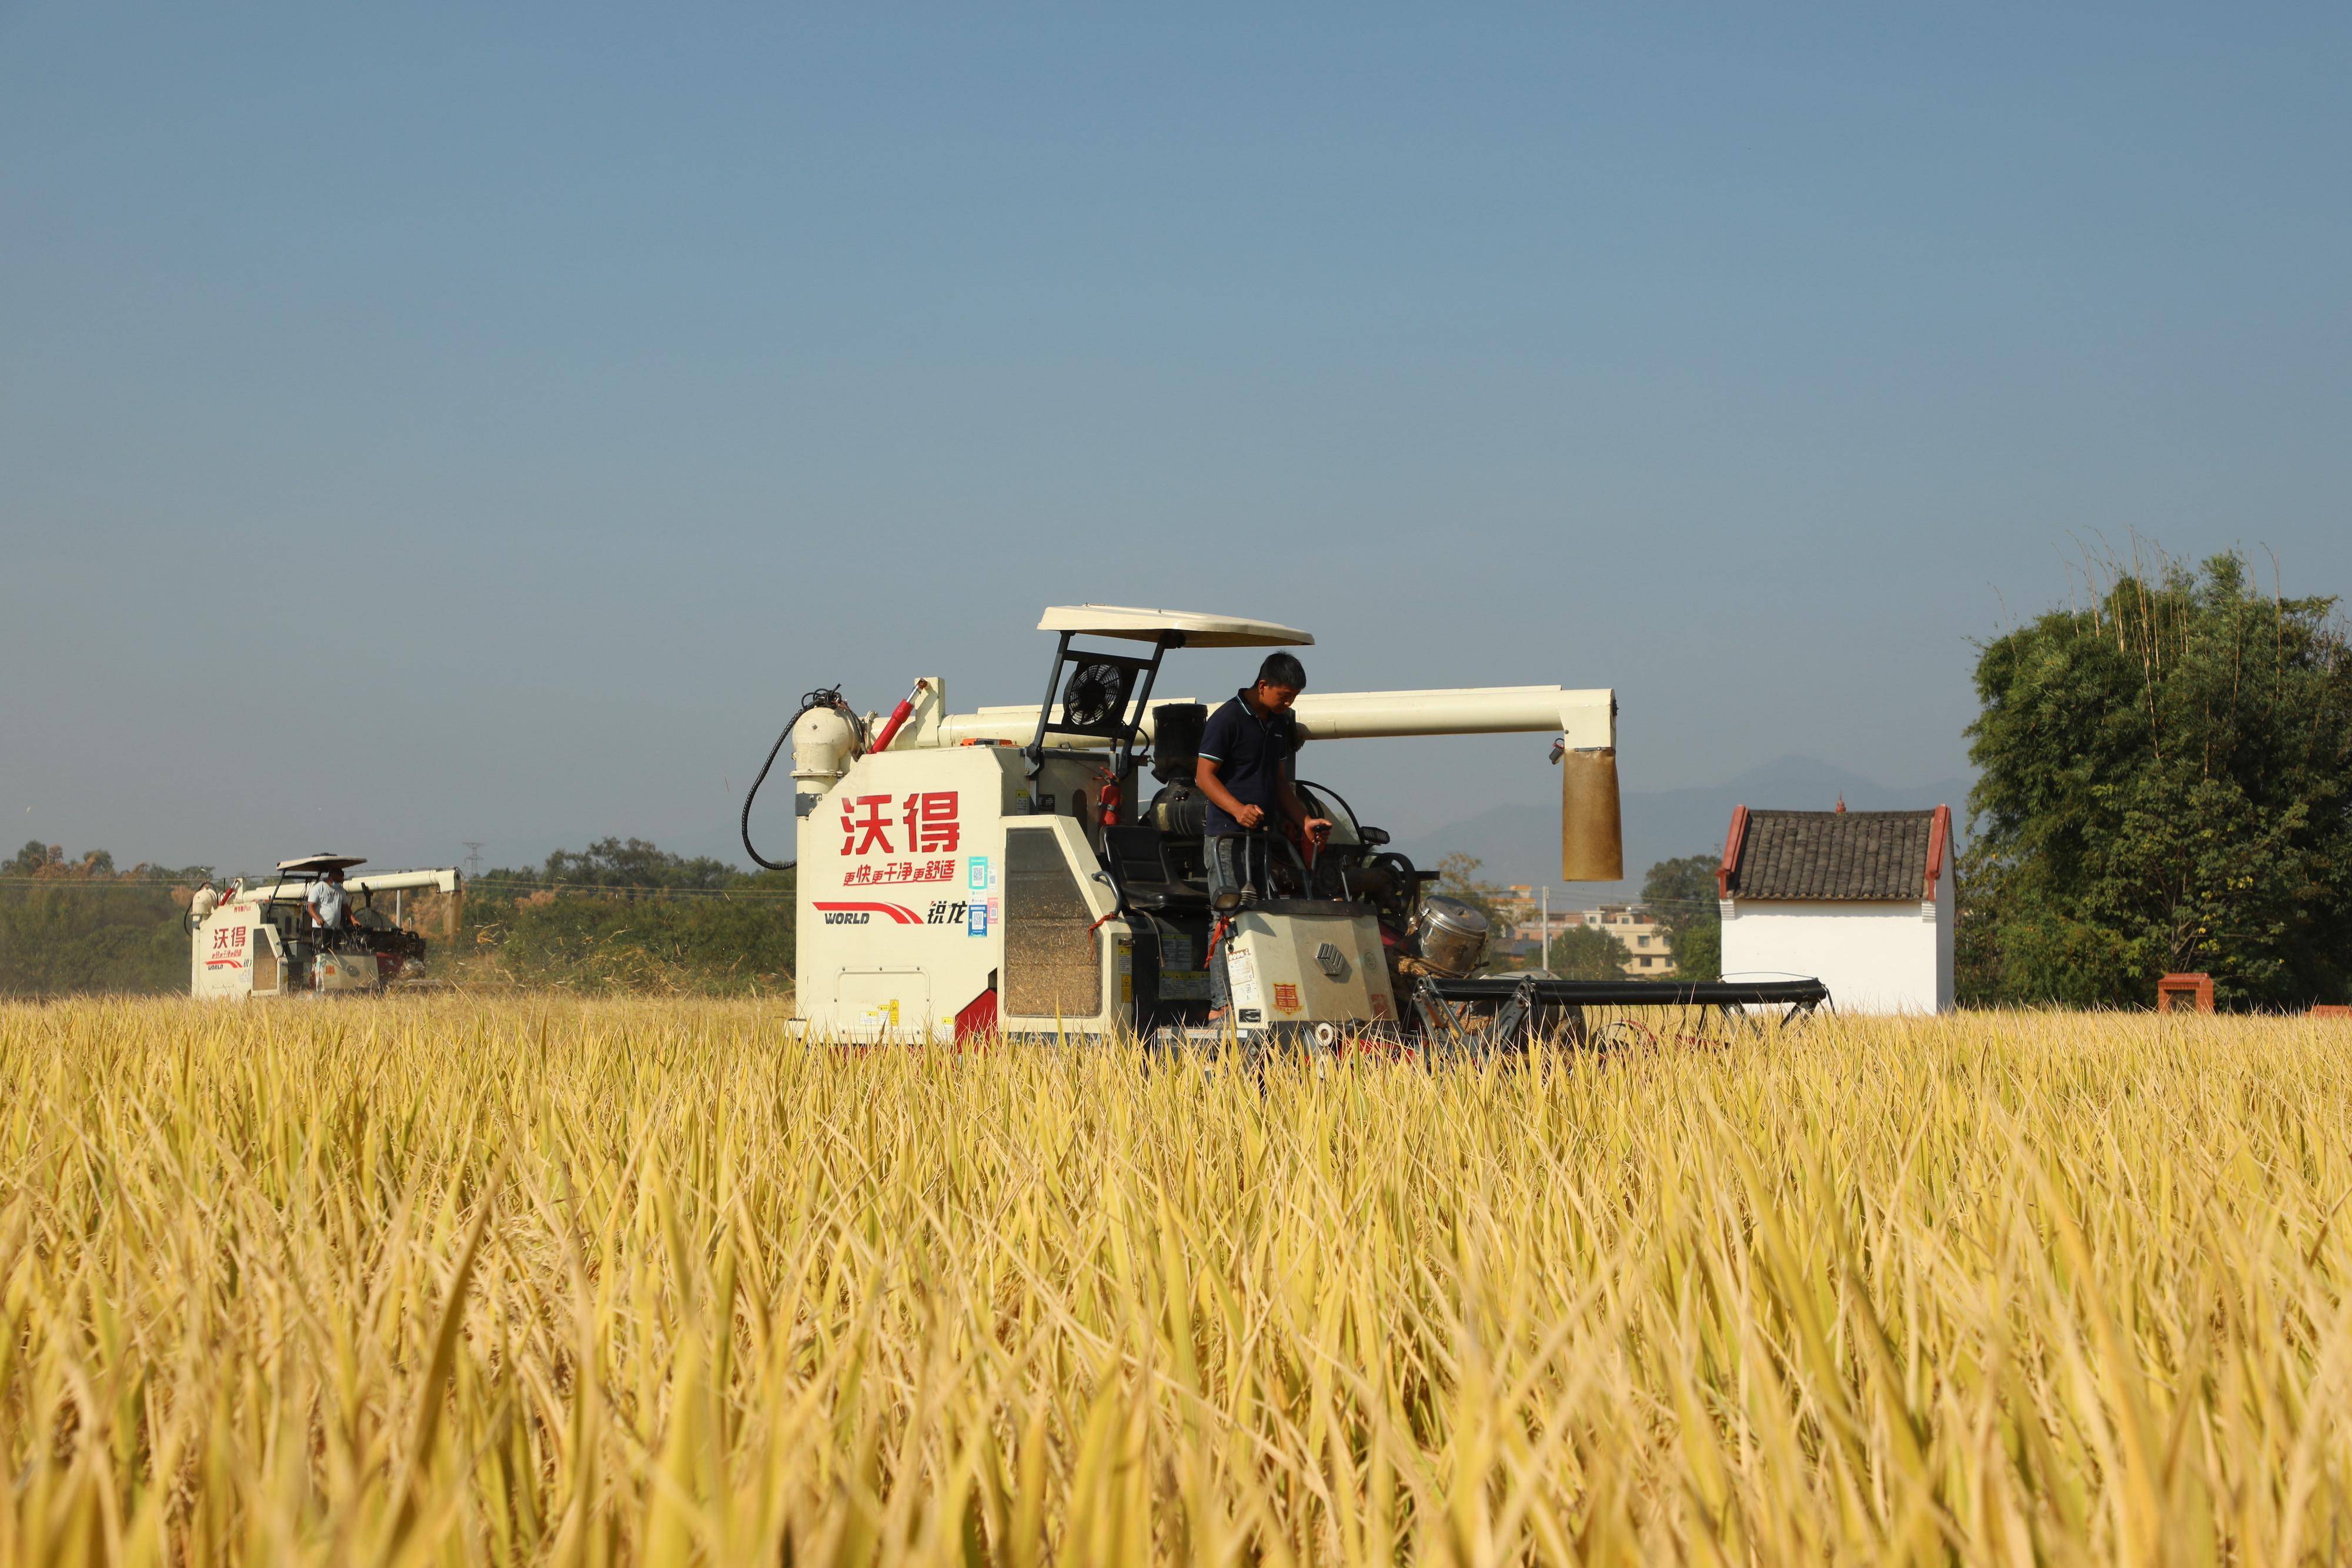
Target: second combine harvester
point(1004, 870)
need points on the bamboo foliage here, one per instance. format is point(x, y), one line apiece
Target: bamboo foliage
point(533, 1281)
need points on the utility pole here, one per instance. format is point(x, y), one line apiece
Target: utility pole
point(473, 857)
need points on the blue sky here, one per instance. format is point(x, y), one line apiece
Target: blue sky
point(423, 424)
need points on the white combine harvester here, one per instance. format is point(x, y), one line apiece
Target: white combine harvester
point(259, 941)
point(999, 870)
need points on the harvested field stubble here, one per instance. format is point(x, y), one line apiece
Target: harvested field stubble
point(543, 1280)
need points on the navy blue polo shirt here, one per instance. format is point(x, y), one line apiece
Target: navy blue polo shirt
point(1251, 754)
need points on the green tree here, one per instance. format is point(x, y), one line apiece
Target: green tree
point(624, 914)
point(1681, 895)
point(1586, 953)
point(2165, 783)
point(633, 862)
point(69, 927)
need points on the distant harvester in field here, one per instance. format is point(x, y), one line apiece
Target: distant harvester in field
point(1862, 899)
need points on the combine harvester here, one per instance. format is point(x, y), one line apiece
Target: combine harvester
point(965, 874)
point(259, 942)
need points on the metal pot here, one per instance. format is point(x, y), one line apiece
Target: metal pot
point(1452, 934)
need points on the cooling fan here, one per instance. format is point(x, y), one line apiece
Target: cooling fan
point(1096, 695)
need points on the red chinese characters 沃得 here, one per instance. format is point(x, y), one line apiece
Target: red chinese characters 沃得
point(931, 824)
point(930, 818)
point(871, 824)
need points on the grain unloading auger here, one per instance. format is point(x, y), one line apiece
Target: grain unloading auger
point(999, 870)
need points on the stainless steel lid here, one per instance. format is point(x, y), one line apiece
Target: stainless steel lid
point(1453, 915)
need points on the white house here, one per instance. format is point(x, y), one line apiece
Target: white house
point(1859, 900)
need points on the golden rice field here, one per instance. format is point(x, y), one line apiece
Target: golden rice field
point(526, 1281)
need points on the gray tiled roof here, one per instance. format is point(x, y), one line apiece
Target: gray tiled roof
point(1834, 854)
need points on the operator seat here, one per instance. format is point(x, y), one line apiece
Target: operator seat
point(1147, 879)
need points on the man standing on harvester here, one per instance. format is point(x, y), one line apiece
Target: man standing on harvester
point(1245, 771)
point(330, 907)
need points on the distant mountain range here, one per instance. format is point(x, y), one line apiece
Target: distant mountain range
point(1520, 843)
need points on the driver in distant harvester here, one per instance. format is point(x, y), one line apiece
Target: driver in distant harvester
point(1245, 771)
point(330, 905)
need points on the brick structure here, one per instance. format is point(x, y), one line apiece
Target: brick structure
point(2185, 993)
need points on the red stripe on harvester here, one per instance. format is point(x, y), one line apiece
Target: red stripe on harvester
point(897, 912)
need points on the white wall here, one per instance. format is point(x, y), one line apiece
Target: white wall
point(1875, 957)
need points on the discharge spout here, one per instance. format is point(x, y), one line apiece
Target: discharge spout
point(1592, 834)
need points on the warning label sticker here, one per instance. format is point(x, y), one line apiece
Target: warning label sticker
point(1240, 973)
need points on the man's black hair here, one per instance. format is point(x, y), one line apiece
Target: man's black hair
point(1283, 670)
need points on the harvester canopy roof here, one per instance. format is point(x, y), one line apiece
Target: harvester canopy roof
point(321, 864)
point(1150, 625)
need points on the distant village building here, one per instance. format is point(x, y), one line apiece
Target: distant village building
point(1859, 900)
point(1648, 953)
point(1635, 929)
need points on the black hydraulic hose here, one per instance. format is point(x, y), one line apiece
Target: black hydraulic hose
point(823, 696)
